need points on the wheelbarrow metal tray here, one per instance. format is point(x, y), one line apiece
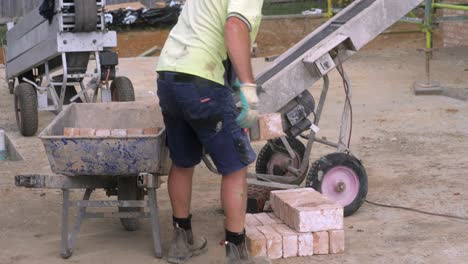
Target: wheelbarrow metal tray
point(113, 155)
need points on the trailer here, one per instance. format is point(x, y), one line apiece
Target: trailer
point(47, 58)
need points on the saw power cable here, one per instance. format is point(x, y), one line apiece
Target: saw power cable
point(416, 210)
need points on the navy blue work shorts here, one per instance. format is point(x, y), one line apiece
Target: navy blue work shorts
point(201, 114)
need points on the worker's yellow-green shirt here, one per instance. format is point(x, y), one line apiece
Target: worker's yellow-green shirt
point(196, 43)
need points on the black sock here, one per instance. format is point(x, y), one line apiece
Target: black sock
point(184, 223)
point(235, 238)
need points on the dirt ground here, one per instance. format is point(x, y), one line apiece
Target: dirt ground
point(413, 147)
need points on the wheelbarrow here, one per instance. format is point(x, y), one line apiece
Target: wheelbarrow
point(125, 166)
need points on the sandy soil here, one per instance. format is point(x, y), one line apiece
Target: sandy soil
point(414, 150)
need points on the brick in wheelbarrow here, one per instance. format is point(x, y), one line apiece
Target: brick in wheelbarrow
point(307, 210)
point(251, 220)
point(265, 219)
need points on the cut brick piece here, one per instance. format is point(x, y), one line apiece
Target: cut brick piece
point(256, 242)
point(321, 243)
point(337, 241)
point(274, 242)
point(306, 210)
point(119, 132)
point(151, 130)
point(251, 220)
point(305, 244)
point(135, 131)
point(265, 219)
point(290, 242)
point(275, 218)
point(271, 126)
point(87, 132)
point(71, 132)
point(103, 132)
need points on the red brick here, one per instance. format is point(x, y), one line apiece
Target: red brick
point(305, 244)
point(119, 132)
point(321, 243)
point(290, 242)
point(135, 131)
point(251, 220)
point(71, 132)
point(276, 219)
point(256, 242)
point(306, 210)
point(274, 242)
point(103, 132)
point(87, 132)
point(151, 130)
point(271, 126)
point(265, 219)
point(337, 241)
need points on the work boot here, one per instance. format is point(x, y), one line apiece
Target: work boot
point(185, 246)
point(239, 255)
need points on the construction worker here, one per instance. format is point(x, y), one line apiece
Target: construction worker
point(200, 114)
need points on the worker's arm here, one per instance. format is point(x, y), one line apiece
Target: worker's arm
point(237, 37)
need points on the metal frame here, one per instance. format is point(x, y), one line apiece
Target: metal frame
point(68, 238)
point(43, 47)
point(291, 182)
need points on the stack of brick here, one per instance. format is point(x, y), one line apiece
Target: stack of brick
point(304, 223)
point(455, 34)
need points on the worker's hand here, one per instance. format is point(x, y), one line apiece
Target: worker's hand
point(249, 101)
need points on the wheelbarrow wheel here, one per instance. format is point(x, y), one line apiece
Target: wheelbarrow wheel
point(342, 178)
point(275, 161)
point(122, 90)
point(127, 189)
point(26, 109)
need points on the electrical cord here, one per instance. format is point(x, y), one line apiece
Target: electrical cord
point(416, 210)
point(340, 70)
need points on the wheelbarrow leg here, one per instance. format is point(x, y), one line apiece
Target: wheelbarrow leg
point(68, 241)
point(155, 222)
point(79, 217)
point(66, 251)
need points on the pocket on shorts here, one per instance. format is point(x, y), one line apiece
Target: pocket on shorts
point(205, 117)
point(243, 147)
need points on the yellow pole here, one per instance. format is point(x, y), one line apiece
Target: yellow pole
point(330, 8)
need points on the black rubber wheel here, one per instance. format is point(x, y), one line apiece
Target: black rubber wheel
point(273, 161)
point(342, 178)
point(26, 109)
point(122, 90)
point(128, 190)
point(85, 15)
point(270, 161)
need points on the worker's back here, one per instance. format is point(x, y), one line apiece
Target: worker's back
point(196, 44)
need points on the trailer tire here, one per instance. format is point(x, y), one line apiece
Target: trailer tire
point(342, 178)
point(122, 90)
point(26, 109)
point(127, 189)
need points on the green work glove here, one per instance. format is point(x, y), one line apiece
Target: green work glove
point(249, 102)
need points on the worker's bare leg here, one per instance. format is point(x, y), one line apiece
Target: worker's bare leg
point(183, 245)
point(179, 186)
point(234, 199)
